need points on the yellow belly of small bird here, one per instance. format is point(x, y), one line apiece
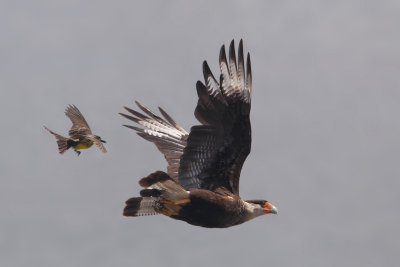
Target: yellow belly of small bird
point(84, 144)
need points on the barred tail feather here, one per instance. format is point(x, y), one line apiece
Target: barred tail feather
point(161, 182)
point(150, 193)
point(62, 142)
point(141, 206)
point(154, 178)
point(161, 195)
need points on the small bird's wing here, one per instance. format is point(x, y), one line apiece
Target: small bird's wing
point(79, 127)
point(217, 149)
point(165, 133)
point(98, 143)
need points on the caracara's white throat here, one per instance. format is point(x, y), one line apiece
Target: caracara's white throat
point(253, 210)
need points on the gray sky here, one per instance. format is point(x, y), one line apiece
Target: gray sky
point(325, 118)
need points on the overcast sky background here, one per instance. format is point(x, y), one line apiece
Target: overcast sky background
point(325, 120)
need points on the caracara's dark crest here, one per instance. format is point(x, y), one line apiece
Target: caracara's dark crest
point(80, 134)
point(201, 185)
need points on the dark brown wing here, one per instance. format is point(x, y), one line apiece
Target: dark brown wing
point(79, 127)
point(217, 149)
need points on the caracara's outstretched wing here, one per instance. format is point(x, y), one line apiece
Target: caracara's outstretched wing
point(217, 149)
point(79, 125)
point(168, 136)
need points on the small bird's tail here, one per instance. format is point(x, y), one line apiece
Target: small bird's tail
point(162, 195)
point(62, 142)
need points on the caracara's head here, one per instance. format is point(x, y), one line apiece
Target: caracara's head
point(263, 206)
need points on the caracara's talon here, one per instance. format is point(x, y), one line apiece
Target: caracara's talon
point(78, 152)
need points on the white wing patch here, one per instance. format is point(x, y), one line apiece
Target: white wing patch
point(168, 136)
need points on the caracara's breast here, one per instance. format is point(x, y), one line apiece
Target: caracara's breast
point(209, 209)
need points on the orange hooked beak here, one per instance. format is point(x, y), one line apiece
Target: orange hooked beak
point(269, 208)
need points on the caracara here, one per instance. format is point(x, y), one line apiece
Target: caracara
point(201, 184)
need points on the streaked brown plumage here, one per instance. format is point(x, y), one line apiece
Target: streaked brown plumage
point(81, 136)
point(201, 185)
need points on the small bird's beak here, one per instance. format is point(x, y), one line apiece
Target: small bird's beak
point(269, 208)
point(103, 141)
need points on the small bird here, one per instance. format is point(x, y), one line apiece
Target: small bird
point(81, 136)
point(201, 185)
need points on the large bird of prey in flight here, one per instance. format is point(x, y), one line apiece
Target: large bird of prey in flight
point(201, 184)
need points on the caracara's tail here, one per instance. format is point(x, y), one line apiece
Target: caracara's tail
point(62, 142)
point(141, 206)
point(162, 195)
